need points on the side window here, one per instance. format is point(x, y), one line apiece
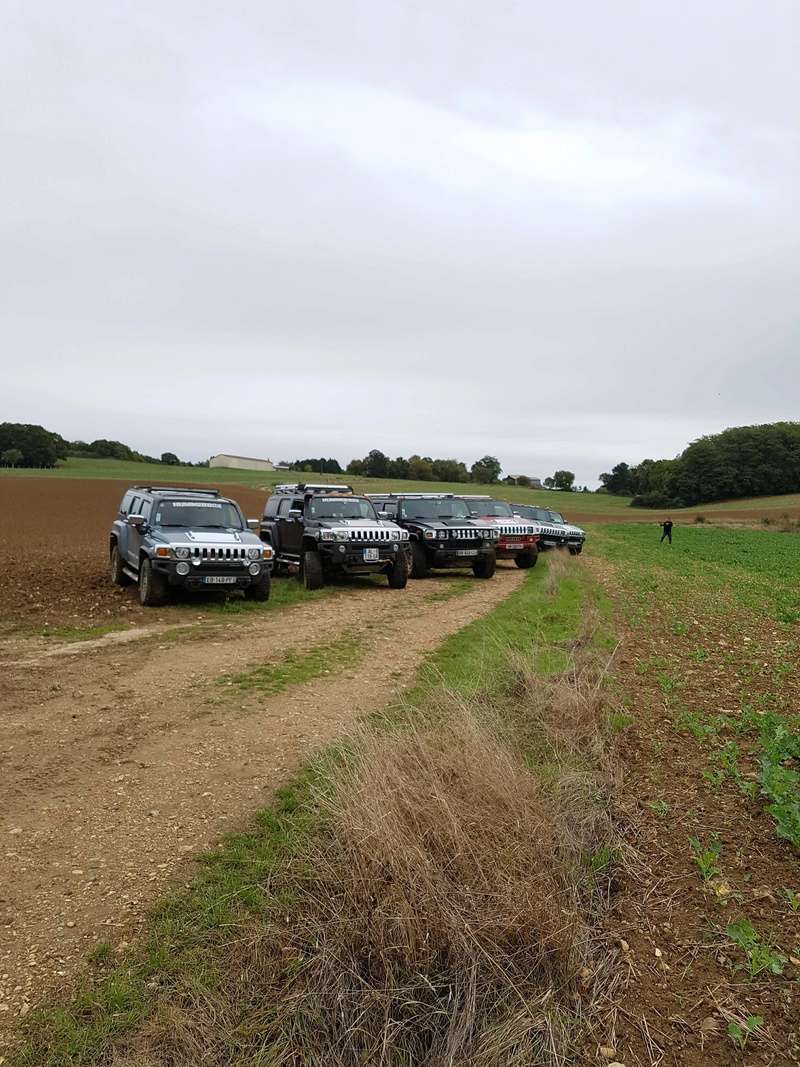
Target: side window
point(133, 507)
point(284, 506)
point(125, 506)
point(389, 506)
point(297, 504)
point(144, 509)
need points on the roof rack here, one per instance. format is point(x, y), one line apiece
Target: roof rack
point(476, 496)
point(307, 487)
point(200, 491)
point(410, 496)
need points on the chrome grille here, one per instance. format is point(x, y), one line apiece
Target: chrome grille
point(516, 529)
point(218, 554)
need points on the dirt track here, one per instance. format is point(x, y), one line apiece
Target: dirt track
point(120, 760)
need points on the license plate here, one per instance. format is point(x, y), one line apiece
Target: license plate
point(214, 579)
point(466, 552)
point(514, 544)
point(371, 555)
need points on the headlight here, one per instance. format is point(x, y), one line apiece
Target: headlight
point(254, 553)
point(429, 535)
point(181, 553)
point(325, 535)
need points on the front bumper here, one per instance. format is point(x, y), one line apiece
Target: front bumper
point(360, 558)
point(458, 556)
point(235, 577)
point(510, 547)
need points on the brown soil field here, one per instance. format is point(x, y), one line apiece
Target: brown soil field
point(54, 551)
point(54, 537)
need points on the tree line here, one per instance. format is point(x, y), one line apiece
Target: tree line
point(741, 461)
point(425, 468)
point(27, 445)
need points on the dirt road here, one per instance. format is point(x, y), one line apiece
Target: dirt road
point(118, 760)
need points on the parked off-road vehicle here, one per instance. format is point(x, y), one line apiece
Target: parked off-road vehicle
point(164, 538)
point(518, 538)
point(556, 532)
point(318, 531)
point(442, 532)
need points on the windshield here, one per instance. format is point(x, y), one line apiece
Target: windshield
point(491, 507)
point(199, 514)
point(340, 507)
point(555, 516)
point(540, 514)
point(434, 509)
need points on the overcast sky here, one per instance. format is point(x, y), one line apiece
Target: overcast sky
point(563, 234)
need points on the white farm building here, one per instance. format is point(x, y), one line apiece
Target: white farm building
point(242, 463)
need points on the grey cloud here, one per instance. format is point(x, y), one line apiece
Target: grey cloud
point(565, 237)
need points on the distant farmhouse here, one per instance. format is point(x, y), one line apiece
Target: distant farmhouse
point(241, 463)
point(523, 479)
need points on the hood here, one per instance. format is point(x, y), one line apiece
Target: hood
point(214, 537)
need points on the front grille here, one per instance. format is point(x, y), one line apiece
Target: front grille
point(516, 529)
point(375, 533)
point(213, 554)
point(469, 534)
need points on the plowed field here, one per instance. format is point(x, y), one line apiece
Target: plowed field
point(53, 548)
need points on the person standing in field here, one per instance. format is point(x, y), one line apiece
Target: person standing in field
point(666, 528)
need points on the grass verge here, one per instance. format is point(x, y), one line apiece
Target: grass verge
point(298, 667)
point(427, 892)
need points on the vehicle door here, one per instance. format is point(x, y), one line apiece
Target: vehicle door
point(136, 534)
point(290, 525)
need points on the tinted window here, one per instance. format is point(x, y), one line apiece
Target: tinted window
point(126, 503)
point(144, 509)
point(491, 507)
point(133, 508)
point(340, 507)
point(209, 514)
point(434, 509)
point(285, 506)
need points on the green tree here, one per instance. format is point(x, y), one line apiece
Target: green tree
point(376, 464)
point(39, 447)
point(420, 469)
point(11, 457)
point(564, 480)
point(486, 470)
point(549, 483)
point(170, 459)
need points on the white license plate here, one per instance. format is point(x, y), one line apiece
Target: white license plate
point(371, 555)
point(514, 544)
point(466, 552)
point(215, 579)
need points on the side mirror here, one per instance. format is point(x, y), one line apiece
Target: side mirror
point(383, 514)
point(296, 513)
point(253, 524)
point(137, 521)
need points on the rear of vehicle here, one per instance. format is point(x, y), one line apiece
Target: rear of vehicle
point(518, 539)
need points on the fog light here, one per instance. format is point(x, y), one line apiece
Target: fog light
point(342, 548)
point(395, 548)
point(255, 568)
point(182, 569)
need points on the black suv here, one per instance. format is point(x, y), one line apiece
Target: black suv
point(192, 538)
point(442, 532)
point(321, 530)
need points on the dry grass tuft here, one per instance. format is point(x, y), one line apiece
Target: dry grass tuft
point(446, 912)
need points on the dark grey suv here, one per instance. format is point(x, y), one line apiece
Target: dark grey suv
point(165, 537)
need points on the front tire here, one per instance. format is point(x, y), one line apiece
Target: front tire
point(312, 574)
point(118, 575)
point(485, 566)
point(152, 585)
point(259, 590)
point(526, 559)
point(420, 568)
point(398, 572)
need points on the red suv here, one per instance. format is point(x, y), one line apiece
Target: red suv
point(519, 539)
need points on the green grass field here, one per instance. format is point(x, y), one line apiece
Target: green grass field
point(582, 505)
